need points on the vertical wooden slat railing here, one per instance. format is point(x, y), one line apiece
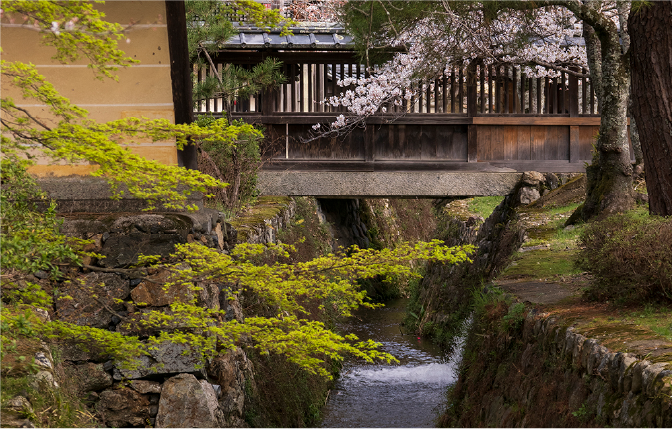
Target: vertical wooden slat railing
point(500, 89)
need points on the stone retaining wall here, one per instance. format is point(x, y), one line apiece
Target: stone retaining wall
point(171, 388)
point(624, 390)
point(544, 374)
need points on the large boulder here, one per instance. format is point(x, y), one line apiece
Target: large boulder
point(122, 250)
point(528, 195)
point(86, 310)
point(168, 358)
point(123, 408)
point(188, 403)
point(232, 372)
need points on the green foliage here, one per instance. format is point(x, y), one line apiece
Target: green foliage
point(235, 81)
point(484, 297)
point(288, 288)
point(285, 396)
point(209, 23)
point(51, 407)
point(31, 239)
point(90, 36)
point(306, 233)
point(629, 257)
point(236, 163)
point(515, 317)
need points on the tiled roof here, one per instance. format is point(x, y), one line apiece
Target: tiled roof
point(322, 38)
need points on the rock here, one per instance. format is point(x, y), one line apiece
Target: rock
point(186, 402)
point(532, 178)
point(41, 274)
point(75, 352)
point(232, 371)
point(43, 361)
point(123, 250)
point(145, 386)
point(11, 419)
point(85, 310)
point(231, 305)
point(43, 379)
point(208, 296)
point(151, 292)
point(123, 408)
point(41, 314)
point(528, 195)
point(89, 376)
point(19, 404)
point(551, 180)
point(151, 224)
point(168, 359)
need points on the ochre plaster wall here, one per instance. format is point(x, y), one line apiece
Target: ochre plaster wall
point(141, 90)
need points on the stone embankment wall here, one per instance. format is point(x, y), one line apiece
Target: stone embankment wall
point(171, 388)
point(540, 373)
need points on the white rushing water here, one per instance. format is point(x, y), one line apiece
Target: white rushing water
point(409, 394)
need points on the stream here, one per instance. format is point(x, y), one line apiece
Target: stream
point(408, 394)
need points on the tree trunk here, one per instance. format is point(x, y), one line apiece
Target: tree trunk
point(651, 59)
point(594, 61)
point(609, 188)
point(235, 186)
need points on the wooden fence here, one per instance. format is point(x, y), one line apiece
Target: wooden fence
point(494, 90)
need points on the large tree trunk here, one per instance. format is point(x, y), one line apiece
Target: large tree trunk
point(609, 187)
point(651, 59)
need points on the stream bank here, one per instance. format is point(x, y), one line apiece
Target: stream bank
point(537, 354)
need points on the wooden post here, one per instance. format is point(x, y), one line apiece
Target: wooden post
point(183, 103)
point(472, 91)
point(573, 96)
point(472, 110)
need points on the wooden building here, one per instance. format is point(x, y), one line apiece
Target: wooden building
point(154, 88)
point(487, 118)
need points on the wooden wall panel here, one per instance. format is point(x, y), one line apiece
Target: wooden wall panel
point(452, 143)
point(484, 138)
point(538, 136)
point(510, 139)
point(562, 138)
point(497, 143)
point(587, 138)
point(524, 143)
point(350, 147)
point(429, 143)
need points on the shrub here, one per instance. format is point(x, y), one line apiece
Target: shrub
point(236, 164)
point(629, 256)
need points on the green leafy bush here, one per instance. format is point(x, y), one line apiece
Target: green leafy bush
point(630, 257)
point(235, 163)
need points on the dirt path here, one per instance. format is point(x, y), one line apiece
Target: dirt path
point(538, 292)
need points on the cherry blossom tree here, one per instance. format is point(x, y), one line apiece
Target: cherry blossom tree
point(540, 37)
point(318, 11)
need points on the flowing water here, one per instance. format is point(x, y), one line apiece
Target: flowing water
point(408, 394)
